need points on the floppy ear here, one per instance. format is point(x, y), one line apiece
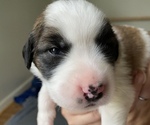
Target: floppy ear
point(28, 51)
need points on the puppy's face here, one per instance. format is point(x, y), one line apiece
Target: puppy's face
point(73, 50)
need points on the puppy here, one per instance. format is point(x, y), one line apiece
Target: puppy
point(84, 63)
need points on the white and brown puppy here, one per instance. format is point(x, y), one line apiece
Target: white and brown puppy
point(84, 62)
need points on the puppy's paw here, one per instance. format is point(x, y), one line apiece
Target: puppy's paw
point(45, 120)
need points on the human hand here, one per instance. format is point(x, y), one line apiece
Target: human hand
point(140, 112)
point(90, 118)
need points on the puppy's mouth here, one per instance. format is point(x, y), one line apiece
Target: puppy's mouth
point(90, 105)
point(96, 98)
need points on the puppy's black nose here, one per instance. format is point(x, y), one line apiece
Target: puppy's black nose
point(94, 93)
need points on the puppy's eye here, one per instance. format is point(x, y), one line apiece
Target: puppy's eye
point(55, 51)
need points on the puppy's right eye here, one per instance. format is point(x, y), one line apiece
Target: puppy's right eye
point(55, 51)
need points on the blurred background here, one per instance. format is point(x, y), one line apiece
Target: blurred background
point(16, 20)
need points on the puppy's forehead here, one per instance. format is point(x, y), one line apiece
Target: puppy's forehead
point(77, 20)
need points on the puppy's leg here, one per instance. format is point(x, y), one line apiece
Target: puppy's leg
point(114, 114)
point(46, 108)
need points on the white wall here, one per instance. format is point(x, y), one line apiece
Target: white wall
point(126, 8)
point(16, 20)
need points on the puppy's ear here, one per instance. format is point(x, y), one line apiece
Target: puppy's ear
point(28, 51)
point(29, 47)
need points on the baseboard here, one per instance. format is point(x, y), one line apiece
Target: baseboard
point(6, 101)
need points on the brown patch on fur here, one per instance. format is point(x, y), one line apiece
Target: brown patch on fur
point(43, 42)
point(38, 27)
point(41, 31)
point(41, 34)
point(39, 21)
point(134, 45)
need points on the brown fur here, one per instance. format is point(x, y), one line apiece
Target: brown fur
point(38, 27)
point(134, 45)
point(41, 31)
point(41, 34)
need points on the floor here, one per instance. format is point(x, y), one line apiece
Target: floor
point(27, 115)
point(8, 112)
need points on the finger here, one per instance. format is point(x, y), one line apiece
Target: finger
point(83, 119)
point(138, 81)
point(89, 118)
point(145, 89)
point(144, 92)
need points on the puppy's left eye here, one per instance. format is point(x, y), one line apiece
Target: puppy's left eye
point(55, 51)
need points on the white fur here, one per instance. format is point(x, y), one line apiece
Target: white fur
point(80, 29)
point(146, 38)
point(72, 16)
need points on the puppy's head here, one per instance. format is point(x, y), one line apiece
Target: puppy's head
point(73, 50)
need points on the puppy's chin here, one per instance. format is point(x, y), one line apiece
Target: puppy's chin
point(78, 104)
